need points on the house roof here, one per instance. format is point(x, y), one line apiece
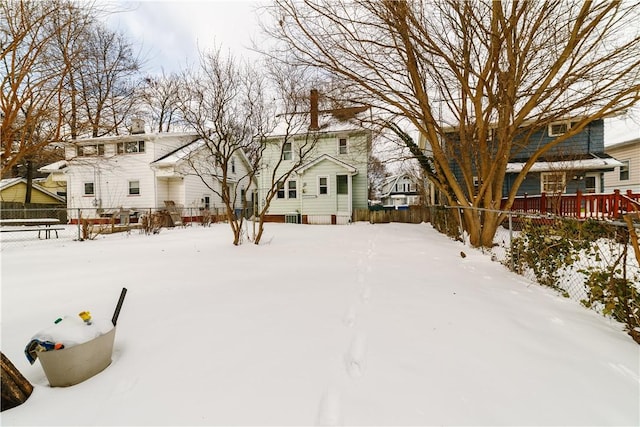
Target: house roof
point(338, 120)
point(54, 167)
point(179, 153)
point(182, 153)
point(325, 157)
point(10, 182)
point(131, 137)
point(389, 184)
point(624, 144)
point(600, 162)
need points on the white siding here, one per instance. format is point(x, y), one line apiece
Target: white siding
point(309, 202)
point(624, 152)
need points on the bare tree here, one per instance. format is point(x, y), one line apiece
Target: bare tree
point(291, 131)
point(160, 97)
point(106, 78)
point(32, 79)
point(223, 102)
point(477, 78)
point(376, 174)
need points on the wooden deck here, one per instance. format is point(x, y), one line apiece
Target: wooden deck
point(579, 205)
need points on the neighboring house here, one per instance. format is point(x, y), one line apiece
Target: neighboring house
point(15, 190)
point(627, 175)
point(400, 191)
point(140, 171)
point(330, 182)
point(577, 164)
point(56, 180)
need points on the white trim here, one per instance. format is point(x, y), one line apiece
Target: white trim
point(563, 181)
point(84, 188)
point(588, 164)
point(328, 185)
point(301, 169)
point(346, 146)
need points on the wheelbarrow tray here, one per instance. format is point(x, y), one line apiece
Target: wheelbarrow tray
point(70, 366)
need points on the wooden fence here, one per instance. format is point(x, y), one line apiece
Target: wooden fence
point(411, 215)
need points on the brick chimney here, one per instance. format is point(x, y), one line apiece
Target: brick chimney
point(314, 110)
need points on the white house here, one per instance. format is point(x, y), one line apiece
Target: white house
point(400, 191)
point(140, 172)
point(627, 176)
point(330, 181)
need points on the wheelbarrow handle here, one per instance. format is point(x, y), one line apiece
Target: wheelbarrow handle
point(114, 319)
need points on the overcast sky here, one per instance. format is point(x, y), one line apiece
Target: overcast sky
point(170, 33)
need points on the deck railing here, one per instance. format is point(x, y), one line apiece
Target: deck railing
point(579, 205)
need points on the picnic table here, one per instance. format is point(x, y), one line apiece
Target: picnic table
point(40, 225)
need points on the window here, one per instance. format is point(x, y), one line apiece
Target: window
point(89, 189)
point(292, 189)
point(553, 182)
point(134, 188)
point(624, 170)
point(287, 151)
point(287, 190)
point(323, 185)
point(206, 201)
point(342, 146)
point(233, 165)
point(343, 184)
point(91, 150)
point(130, 147)
point(558, 128)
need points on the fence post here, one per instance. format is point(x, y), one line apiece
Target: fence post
point(511, 240)
point(543, 203)
point(617, 204)
point(460, 227)
point(578, 204)
point(79, 226)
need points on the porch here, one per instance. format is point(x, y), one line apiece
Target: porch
point(579, 205)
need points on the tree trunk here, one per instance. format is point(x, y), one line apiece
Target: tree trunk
point(15, 388)
point(27, 194)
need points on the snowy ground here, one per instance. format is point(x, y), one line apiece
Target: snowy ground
point(356, 325)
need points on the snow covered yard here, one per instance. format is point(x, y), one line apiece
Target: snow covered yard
point(321, 325)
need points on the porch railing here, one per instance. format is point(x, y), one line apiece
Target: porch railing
point(579, 205)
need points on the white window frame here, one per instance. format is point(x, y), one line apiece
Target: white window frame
point(96, 150)
point(134, 187)
point(84, 188)
point(233, 165)
point(130, 147)
point(290, 151)
point(281, 189)
point(326, 186)
point(552, 132)
point(625, 168)
point(544, 182)
point(338, 186)
point(340, 146)
point(294, 189)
